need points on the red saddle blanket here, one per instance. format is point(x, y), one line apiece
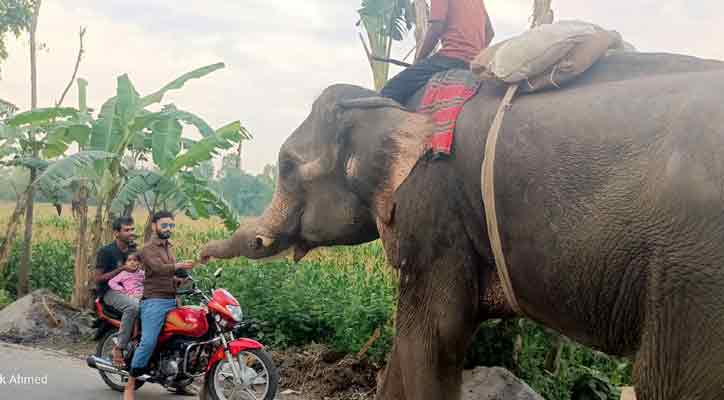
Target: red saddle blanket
point(444, 98)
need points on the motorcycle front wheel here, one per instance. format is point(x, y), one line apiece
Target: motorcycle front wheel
point(104, 350)
point(259, 378)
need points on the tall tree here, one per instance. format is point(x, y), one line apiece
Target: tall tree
point(81, 272)
point(269, 175)
point(15, 17)
point(24, 269)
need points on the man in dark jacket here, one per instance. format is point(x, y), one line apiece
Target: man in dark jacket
point(159, 293)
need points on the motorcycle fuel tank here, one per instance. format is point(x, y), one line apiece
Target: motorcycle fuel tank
point(186, 321)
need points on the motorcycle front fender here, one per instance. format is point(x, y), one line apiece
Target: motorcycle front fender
point(236, 347)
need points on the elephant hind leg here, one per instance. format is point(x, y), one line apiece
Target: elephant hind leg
point(681, 354)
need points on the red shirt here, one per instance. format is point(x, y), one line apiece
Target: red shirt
point(465, 22)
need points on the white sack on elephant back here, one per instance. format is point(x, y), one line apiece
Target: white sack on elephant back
point(578, 60)
point(533, 52)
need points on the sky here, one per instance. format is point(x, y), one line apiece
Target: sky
point(281, 54)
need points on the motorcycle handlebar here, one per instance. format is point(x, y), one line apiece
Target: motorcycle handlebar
point(194, 290)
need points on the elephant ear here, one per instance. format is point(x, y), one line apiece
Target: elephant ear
point(398, 150)
point(369, 103)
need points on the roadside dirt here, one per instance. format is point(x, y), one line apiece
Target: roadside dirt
point(42, 320)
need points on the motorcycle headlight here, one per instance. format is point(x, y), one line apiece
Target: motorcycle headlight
point(235, 312)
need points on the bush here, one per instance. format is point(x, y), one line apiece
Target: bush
point(589, 387)
point(314, 301)
point(4, 299)
point(493, 345)
point(577, 362)
point(51, 267)
point(54, 221)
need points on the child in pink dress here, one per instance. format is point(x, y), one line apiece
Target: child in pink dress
point(130, 283)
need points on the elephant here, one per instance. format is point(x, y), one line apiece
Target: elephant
point(610, 201)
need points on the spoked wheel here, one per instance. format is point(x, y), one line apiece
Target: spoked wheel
point(259, 378)
point(105, 350)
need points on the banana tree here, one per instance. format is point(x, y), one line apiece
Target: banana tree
point(384, 21)
point(7, 109)
point(8, 147)
point(125, 127)
point(48, 132)
point(173, 185)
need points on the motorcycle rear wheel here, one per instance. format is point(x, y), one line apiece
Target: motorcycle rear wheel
point(104, 349)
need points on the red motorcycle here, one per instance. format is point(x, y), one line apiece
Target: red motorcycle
point(195, 342)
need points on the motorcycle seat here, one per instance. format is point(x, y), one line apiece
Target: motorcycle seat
point(111, 312)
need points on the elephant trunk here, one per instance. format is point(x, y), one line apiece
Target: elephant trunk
point(261, 237)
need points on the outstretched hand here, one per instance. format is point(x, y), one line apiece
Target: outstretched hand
point(185, 265)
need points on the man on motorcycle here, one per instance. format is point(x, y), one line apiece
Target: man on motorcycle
point(159, 293)
point(111, 261)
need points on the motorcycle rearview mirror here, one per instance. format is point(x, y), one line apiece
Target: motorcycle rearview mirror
point(216, 276)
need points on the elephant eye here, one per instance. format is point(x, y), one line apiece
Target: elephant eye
point(286, 167)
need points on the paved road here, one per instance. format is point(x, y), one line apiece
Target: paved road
point(59, 377)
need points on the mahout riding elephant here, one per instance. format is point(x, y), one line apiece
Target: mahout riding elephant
point(610, 201)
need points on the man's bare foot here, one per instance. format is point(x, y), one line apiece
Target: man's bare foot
point(130, 391)
point(118, 360)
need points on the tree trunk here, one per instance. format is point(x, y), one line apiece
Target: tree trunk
point(107, 232)
point(12, 230)
point(97, 229)
point(422, 14)
point(24, 269)
point(147, 231)
point(82, 269)
point(238, 160)
point(33, 56)
point(128, 210)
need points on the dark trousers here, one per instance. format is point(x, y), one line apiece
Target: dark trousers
point(412, 79)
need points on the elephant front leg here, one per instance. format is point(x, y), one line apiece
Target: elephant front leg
point(435, 324)
point(389, 382)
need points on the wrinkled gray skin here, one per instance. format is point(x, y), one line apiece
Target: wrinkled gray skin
point(610, 199)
